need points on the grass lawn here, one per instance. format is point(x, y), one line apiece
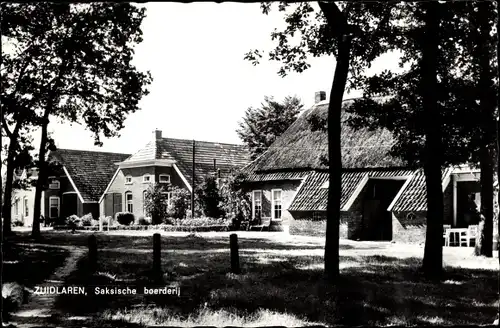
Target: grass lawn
point(281, 282)
point(28, 265)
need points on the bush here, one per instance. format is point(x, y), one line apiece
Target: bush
point(179, 203)
point(87, 220)
point(201, 222)
point(74, 221)
point(125, 218)
point(210, 198)
point(156, 202)
point(107, 219)
point(144, 221)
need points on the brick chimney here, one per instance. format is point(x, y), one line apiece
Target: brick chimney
point(319, 96)
point(156, 134)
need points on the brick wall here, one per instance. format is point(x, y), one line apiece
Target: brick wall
point(289, 189)
point(409, 228)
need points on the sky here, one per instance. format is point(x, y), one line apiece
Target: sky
point(201, 83)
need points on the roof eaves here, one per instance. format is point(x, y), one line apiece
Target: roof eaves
point(73, 184)
point(400, 192)
point(357, 191)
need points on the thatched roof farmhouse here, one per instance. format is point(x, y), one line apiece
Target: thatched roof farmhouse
point(382, 198)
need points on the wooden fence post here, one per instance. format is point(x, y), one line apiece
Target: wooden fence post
point(157, 254)
point(235, 259)
point(92, 253)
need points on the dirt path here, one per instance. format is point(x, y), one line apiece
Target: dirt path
point(40, 309)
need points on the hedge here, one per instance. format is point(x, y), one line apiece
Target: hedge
point(308, 228)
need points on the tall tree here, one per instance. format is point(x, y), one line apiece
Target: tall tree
point(354, 33)
point(481, 20)
point(433, 252)
point(261, 126)
point(81, 67)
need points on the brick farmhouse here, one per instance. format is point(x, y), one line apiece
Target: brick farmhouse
point(103, 183)
point(382, 198)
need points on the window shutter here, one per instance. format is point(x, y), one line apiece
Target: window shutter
point(117, 203)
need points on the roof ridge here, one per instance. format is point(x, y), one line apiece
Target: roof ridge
point(90, 151)
point(211, 142)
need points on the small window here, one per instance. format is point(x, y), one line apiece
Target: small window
point(144, 198)
point(276, 201)
point(257, 204)
point(129, 202)
point(164, 178)
point(317, 216)
point(128, 179)
point(146, 178)
point(54, 183)
point(54, 206)
point(16, 207)
point(26, 208)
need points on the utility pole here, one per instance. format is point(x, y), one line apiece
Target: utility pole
point(194, 183)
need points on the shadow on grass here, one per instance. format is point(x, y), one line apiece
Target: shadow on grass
point(372, 290)
point(168, 242)
point(28, 265)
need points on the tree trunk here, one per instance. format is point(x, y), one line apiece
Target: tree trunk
point(9, 182)
point(484, 244)
point(487, 130)
point(433, 252)
point(42, 172)
point(335, 159)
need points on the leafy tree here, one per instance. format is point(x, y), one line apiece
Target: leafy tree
point(180, 203)
point(261, 126)
point(209, 197)
point(156, 202)
point(73, 62)
point(236, 201)
point(467, 127)
point(355, 33)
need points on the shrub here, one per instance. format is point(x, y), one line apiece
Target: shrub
point(209, 196)
point(87, 220)
point(236, 201)
point(156, 202)
point(125, 218)
point(179, 203)
point(107, 219)
point(144, 221)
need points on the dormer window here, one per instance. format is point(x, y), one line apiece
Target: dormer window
point(128, 179)
point(164, 178)
point(54, 183)
point(146, 178)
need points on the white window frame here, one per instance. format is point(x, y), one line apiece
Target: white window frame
point(273, 204)
point(128, 177)
point(151, 180)
point(253, 202)
point(144, 202)
point(25, 206)
point(54, 181)
point(162, 176)
point(58, 206)
point(126, 202)
point(16, 207)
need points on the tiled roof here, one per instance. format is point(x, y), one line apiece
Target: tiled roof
point(276, 176)
point(91, 171)
point(228, 156)
point(311, 197)
point(414, 197)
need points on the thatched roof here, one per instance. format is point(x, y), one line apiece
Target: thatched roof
point(299, 147)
